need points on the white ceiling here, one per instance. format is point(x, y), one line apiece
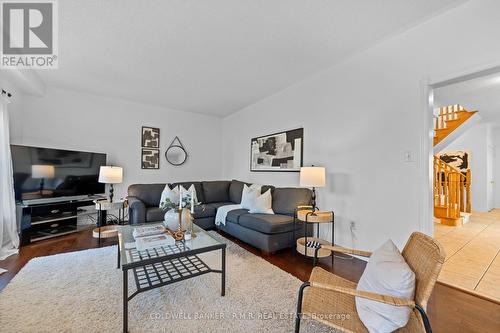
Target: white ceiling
point(481, 94)
point(216, 56)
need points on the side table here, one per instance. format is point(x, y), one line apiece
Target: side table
point(306, 215)
point(103, 230)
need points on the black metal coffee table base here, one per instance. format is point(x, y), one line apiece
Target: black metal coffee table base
point(154, 271)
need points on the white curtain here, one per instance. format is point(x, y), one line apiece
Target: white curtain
point(9, 238)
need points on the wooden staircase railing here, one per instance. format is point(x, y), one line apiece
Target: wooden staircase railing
point(451, 191)
point(448, 119)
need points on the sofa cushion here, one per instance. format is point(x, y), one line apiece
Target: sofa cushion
point(197, 187)
point(216, 191)
point(204, 210)
point(235, 190)
point(155, 214)
point(208, 210)
point(266, 223)
point(286, 199)
point(234, 215)
point(150, 194)
point(264, 188)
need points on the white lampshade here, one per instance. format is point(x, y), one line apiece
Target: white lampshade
point(111, 175)
point(312, 176)
point(42, 171)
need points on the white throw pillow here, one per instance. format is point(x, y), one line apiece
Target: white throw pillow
point(172, 194)
point(386, 273)
point(263, 204)
point(249, 194)
point(188, 192)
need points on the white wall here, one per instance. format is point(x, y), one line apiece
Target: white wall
point(70, 120)
point(362, 115)
point(476, 140)
point(496, 166)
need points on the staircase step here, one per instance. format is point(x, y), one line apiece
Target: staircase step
point(452, 222)
point(452, 125)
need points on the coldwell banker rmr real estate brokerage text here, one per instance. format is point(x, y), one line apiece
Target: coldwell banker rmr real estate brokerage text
point(29, 34)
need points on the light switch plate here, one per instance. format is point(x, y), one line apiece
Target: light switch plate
point(409, 156)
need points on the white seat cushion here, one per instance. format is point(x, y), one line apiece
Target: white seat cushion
point(386, 273)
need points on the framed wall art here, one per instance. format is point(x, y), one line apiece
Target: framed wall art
point(150, 137)
point(150, 158)
point(281, 151)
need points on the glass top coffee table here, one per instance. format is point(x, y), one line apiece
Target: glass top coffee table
point(160, 266)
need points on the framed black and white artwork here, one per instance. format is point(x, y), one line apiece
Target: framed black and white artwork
point(459, 159)
point(150, 137)
point(150, 158)
point(281, 151)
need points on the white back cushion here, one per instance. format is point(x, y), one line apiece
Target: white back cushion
point(386, 273)
point(263, 204)
point(249, 194)
point(172, 194)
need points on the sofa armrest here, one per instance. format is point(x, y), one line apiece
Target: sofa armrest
point(136, 210)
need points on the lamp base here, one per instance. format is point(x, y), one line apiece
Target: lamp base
point(313, 202)
point(111, 191)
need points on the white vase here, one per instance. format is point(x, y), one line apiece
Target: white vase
point(171, 220)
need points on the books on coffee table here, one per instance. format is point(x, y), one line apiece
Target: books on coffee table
point(148, 231)
point(149, 242)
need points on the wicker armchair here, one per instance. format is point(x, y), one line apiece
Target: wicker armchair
point(330, 299)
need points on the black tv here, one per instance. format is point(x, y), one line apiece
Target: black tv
point(46, 173)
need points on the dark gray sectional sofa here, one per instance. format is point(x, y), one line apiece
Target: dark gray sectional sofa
point(269, 233)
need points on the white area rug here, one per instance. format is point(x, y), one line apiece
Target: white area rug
point(82, 292)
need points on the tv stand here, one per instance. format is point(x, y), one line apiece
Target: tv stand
point(38, 221)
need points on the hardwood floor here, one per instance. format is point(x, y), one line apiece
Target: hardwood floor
point(73, 242)
point(450, 309)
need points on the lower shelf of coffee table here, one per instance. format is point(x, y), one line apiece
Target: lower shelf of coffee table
point(167, 272)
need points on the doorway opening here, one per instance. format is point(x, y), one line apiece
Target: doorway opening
point(465, 163)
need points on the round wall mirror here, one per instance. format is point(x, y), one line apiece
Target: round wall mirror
point(176, 155)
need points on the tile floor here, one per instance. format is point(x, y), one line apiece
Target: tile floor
point(472, 254)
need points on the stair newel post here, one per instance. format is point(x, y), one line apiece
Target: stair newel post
point(446, 193)
point(439, 181)
point(451, 195)
point(467, 191)
point(462, 192)
point(456, 195)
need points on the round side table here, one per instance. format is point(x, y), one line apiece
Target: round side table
point(103, 230)
point(317, 217)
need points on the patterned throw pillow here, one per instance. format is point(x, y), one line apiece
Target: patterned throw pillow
point(172, 194)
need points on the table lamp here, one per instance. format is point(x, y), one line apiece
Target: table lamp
point(42, 172)
point(312, 177)
point(109, 174)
